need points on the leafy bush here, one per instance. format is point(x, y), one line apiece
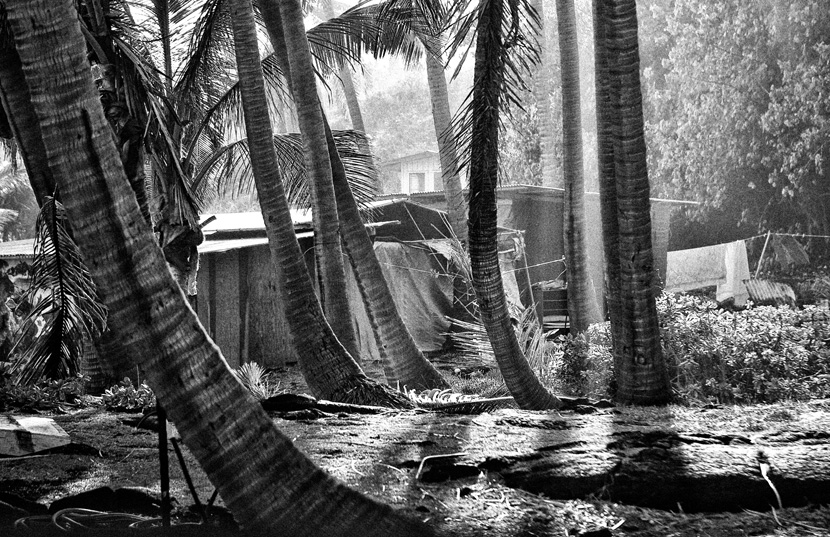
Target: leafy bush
point(126, 397)
point(582, 365)
point(43, 395)
point(762, 354)
point(759, 355)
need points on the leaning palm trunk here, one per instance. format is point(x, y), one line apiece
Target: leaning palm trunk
point(328, 368)
point(640, 369)
point(403, 362)
point(318, 169)
point(17, 102)
point(582, 305)
point(442, 120)
point(266, 482)
point(523, 384)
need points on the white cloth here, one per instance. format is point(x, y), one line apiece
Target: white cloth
point(723, 265)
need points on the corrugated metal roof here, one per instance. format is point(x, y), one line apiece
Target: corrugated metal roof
point(22, 249)
point(251, 221)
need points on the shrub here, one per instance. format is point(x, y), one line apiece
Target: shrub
point(127, 398)
point(582, 365)
point(759, 355)
point(43, 395)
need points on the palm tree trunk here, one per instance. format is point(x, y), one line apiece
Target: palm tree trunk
point(17, 102)
point(403, 362)
point(605, 166)
point(640, 368)
point(266, 482)
point(442, 120)
point(328, 368)
point(349, 91)
point(488, 76)
point(582, 306)
point(318, 168)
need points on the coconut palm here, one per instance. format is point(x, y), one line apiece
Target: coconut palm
point(501, 58)
point(266, 482)
point(403, 361)
point(582, 304)
point(639, 365)
point(329, 256)
point(327, 366)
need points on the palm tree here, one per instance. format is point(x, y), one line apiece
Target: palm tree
point(582, 305)
point(500, 44)
point(403, 362)
point(444, 133)
point(318, 166)
point(639, 366)
point(327, 366)
point(265, 481)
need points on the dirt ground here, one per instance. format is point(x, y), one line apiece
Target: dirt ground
point(383, 455)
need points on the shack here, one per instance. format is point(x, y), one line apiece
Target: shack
point(537, 212)
point(237, 297)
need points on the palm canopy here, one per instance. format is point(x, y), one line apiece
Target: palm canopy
point(516, 54)
point(377, 29)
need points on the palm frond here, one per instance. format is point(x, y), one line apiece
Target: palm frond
point(516, 51)
point(228, 170)
point(64, 297)
point(381, 29)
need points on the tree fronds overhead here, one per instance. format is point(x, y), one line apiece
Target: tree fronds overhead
point(381, 29)
point(64, 297)
point(228, 170)
point(517, 51)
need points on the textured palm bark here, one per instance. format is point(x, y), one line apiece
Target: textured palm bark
point(17, 103)
point(318, 169)
point(442, 121)
point(582, 304)
point(605, 166)
point(403, 362)
point(640, 369)
point(267, 483)
point(523, 384)
point(328, 368)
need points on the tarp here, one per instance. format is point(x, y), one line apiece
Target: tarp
point(724, 265)
point(420, 277)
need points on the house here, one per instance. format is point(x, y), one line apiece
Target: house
point(420, 172)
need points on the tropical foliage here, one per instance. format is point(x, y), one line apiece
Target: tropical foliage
point(735, 112)
point(64, 299)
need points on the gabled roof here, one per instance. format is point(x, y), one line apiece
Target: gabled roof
point(407, 158)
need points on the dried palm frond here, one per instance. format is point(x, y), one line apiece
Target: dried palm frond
point(64, 296)
point(256, 380)
point(456, 403)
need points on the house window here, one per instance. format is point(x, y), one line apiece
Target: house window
point(417, 182)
